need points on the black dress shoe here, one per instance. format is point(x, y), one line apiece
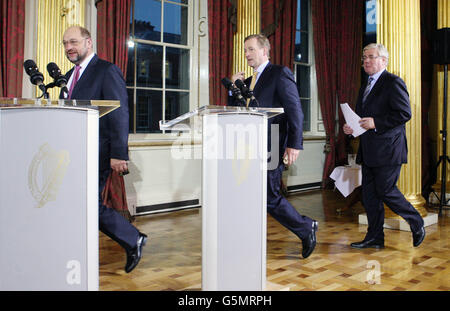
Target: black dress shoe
point(134, 255)
point(418, 236)
point(310, 242)
point(372, 243)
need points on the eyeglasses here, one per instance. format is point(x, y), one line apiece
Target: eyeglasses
point(371, 57)
point(72, 42)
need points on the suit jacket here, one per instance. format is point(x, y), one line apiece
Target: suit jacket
point(276, 88)
point(388, 104)
point(102, 80)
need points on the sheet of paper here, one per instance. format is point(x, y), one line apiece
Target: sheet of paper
point(352, 119)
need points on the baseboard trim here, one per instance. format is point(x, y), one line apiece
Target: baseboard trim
point(166, 207)
point(304, 187)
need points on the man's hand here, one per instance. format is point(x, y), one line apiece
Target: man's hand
point(238, 75)
point(347, 129)
point(367, 123)
point(119, 166)
point(291, 155)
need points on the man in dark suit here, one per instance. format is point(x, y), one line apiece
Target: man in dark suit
point(274, 86)
point(96, 79)
point(383, 105)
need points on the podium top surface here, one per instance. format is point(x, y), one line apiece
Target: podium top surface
point(208, 110)
point(103, 106)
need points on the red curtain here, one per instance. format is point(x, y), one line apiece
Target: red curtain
point(221, 26)
point(113, 30)
point(349, 52)
point(337, 44)
point(278, 22)
point(12, 25)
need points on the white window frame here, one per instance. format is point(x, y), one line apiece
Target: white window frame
point(192, 46)
point(317, 127)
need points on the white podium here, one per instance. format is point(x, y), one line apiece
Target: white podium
point(49, 194)
point(234, 181)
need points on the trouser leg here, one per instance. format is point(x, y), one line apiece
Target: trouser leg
point(280, 208)
point(113, 224)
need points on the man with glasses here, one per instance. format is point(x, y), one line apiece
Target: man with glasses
point(383, 105)
point(95, 79)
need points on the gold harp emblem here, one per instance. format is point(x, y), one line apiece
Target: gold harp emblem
point(46, 173)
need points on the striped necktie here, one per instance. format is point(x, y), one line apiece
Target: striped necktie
point(368, 88)
point(252, 84)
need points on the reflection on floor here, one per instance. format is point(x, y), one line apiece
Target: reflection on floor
point(172, 256)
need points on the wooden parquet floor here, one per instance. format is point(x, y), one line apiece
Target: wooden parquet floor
point(172, 257)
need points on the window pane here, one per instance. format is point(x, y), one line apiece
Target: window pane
point(148, 111)
point(130, 67)
point(131, 109)
point(175, 23)
point(147, 16)
point(306, 107)
point(302, 18)
point(177, 103)
point(177, 68)
point(303, 81)
point(301, 47)
point(149, 65)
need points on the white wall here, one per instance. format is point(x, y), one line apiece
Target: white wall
point(156, 177)
point(309, 166)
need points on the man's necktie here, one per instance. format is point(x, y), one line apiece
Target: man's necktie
point(368, 88)
point(75, 80)
point(252, 84)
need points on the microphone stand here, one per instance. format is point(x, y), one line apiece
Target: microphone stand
point(443, 159)
point(51, 85)
point(238, 96)
point(253, 99)
point(44, 88)
point(247, 94)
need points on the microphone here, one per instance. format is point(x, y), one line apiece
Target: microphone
point(234, 90)
point(246, 92)
point(228, 84)
point(244, 89)
point(55, 73)
point(36, 77)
